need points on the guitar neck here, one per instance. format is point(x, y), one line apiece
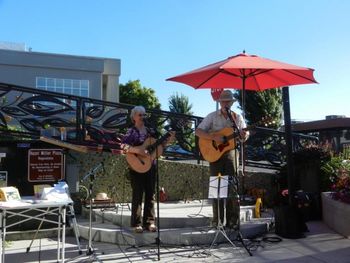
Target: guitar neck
point(235, 134)
point(162, 139)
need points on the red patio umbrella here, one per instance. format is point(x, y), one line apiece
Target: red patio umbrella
point(246, 72)
point(251, 72)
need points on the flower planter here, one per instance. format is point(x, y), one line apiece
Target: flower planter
point(336, 214)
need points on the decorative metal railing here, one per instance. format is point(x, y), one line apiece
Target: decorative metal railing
point(27, 113)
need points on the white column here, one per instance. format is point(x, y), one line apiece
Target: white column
point(112, 91)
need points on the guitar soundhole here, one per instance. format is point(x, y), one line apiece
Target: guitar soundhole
point(214, 145)
point(138, 158)
point(222, 146)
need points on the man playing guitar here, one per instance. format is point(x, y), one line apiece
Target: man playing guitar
point(226, 164)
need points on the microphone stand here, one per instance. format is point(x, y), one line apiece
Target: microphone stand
point(91, 176)
point(236, 182)
point(158, 219)
point(148, 126)
point(234, 126)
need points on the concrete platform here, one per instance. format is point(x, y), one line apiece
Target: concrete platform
point(181, 224)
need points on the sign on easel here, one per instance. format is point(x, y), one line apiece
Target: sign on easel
point(45, 165)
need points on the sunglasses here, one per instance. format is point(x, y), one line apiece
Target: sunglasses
point(141, 115)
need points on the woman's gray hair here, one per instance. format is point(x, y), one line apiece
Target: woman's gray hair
point(136, 109)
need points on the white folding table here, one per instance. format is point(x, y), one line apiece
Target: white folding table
point(23, 211)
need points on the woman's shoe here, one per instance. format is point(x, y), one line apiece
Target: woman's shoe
point(138, 229)
point(152, 228)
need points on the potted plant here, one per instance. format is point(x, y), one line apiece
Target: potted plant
point(336, 201)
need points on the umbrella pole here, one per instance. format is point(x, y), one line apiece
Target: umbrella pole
point(242, 142)
point(289, 144)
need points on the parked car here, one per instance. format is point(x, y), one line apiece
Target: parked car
point(176, 151)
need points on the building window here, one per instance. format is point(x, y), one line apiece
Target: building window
point(68, 86)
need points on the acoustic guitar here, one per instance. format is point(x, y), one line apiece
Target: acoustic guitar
point(142, 164)
point(212, 151)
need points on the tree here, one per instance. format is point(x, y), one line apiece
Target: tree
point(180, 104)
point(265, 105)
point(133, 93)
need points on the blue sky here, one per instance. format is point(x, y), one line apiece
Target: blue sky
point(159, 39)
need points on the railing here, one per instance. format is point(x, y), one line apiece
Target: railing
point(267, 147)
point(27, 113)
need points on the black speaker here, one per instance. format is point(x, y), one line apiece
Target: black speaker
point(289, 222)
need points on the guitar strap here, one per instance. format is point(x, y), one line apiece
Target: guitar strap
point(234, 117)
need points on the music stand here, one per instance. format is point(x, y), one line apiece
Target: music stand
point(218, 189)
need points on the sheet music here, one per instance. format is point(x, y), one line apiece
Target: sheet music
point(214, 184)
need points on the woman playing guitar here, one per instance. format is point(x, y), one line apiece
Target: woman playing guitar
point(142, 180)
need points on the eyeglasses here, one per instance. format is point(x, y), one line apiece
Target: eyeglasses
point(141, 114)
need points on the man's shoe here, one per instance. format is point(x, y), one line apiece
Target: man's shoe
point(152, 228)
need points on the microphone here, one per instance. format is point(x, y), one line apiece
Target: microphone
point(92, 171)
point(147, 123)
point(234, 125)
point(146, 120)
point(228, 111)
point(151, 127)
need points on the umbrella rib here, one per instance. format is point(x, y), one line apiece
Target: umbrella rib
point(243, 75)
point(258, 72)
point(206, 80)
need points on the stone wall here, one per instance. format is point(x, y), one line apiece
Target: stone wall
point(181, 181)
point(336, 214)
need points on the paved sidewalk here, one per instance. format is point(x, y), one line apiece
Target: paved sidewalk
point(320, 245)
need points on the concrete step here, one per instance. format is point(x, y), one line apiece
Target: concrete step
point(172, 214)
point(110, 233)
point(180, 224)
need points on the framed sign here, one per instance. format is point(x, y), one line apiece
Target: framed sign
point(45, 165)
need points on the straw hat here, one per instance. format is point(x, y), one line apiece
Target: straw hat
point(226, 95)
point(101, 196)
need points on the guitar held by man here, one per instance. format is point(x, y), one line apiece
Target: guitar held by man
point(212, 150)
point(226, 163)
